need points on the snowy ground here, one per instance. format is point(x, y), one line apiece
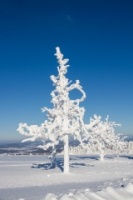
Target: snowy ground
point(27, 177)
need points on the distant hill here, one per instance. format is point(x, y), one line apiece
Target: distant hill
point(24, 148)
point(21, 148)
point(32, 147)
point(129, 138)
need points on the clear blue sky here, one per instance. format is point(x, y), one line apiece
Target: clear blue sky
point(96, 36)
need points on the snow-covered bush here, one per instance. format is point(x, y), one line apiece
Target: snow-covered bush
point(130, 147)
point(102, 136)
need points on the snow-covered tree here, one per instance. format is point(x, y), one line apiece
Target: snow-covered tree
point(102, 136)
point(65, 119)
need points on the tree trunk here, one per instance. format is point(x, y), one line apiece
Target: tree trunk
point(53, 158)
point(66, 154)
point(101, 157)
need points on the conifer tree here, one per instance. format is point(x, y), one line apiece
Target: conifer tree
point(65, 119)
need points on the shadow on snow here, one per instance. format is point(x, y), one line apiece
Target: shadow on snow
point(126, 156)
point(77, 165)
point(58, 163)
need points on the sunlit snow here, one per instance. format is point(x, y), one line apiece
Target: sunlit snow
point(30, 178)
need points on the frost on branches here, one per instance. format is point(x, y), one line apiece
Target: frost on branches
point(65, 119)
point(102, 136)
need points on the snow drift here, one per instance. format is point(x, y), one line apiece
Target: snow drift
point(106, 194)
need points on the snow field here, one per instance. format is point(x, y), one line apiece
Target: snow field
point(28, 178)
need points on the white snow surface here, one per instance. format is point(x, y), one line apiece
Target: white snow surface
point(27, 177)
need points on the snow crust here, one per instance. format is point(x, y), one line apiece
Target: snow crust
point(106, 194)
